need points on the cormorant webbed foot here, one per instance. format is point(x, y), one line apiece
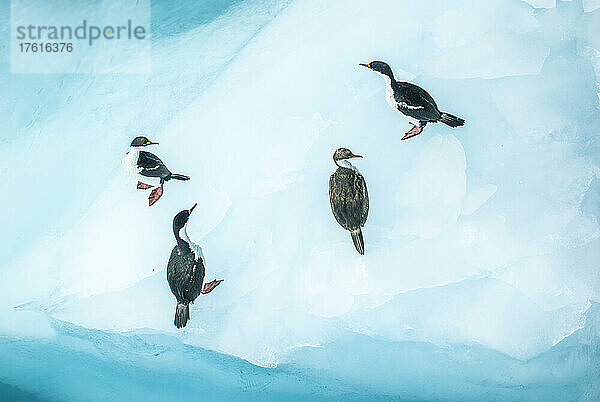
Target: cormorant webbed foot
point(209, 286)
point(155, 195)
point(416, 130)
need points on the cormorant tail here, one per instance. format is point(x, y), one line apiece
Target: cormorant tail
point(451, 120)
point(182, 315)
point(178, 176)
point(358, 240)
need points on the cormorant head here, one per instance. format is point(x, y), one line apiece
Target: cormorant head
point(142, 141)
point(343, 154)
point(380, 67)
point(181, 219)
point(179, 228)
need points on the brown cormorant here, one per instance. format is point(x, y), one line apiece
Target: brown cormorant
point(348, 196)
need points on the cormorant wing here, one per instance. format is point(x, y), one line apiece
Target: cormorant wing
point(360, 181)
point(151, 165)
point(196, 279)
point(185, 275)
point(176, 274)
point(349, 198)
point(415, 102)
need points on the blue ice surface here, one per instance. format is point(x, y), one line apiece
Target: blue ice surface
point(481, 277)
point(80, 363)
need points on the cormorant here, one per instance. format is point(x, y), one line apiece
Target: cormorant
point(185, 270)
point(412, 101)
point(348, 196)
point(149, 166)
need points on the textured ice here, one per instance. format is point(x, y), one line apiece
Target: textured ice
point(480, 279)
point(590, 5)
point(544, 3)
point(491, 56)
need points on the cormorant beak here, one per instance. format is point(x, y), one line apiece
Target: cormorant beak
point(151, 143)
point(356, 156)
point(365, 65)
point(192, 208)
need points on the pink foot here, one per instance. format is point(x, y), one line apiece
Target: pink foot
point(208, 287)
point(416, 130)
point(143, 186)
point(155, 195)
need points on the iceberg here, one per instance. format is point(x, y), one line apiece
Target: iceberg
point(480, 279)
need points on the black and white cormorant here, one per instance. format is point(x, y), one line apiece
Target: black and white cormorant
point(149, 167)
point(185, 271)
point(348, 196)
point(412, 101)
